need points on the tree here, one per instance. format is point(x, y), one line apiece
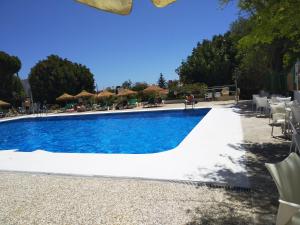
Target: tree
point(53, 76)
point(11, 89)
point(211, 62)
point(127, 84)
point(139, 86)
point(180, 91)
point(111, 89)
point(270, 32)
point(173, 84)
point(273, 22)
point(162, 81)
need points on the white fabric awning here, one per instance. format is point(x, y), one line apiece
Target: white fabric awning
point(122, 7)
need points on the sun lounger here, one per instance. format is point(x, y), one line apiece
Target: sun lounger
point(132, 103)
point(152, 102)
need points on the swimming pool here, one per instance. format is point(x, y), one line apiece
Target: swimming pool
point(127, 133)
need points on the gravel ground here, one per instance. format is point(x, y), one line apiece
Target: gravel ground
point(27, 199)
point(52, 199)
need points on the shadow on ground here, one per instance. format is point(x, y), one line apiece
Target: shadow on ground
point(222, 215)
point(258, 206)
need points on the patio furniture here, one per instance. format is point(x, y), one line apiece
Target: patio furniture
point(217, 95)
point(295, 118)
point(288, 117)
point(254, 101)
point(132, 103)
point(123, 104)
point(278, 117)
point(225, 91)
point(151, 103)
point(280, 99)
point(190, 100)
point(295, 139)
point(291, 104)
point(277, 107)
point(295, 220)
point(158, 101)
point(96, 107)
point(208, 96)
point(262, 104)
point(274, 100)
point(286, 177)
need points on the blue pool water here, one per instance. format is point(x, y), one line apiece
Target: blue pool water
point(129, 133)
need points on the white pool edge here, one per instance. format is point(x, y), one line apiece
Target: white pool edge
point(219, 160)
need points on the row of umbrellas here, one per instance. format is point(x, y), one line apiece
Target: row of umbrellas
point(107, 94)
point(103, 94)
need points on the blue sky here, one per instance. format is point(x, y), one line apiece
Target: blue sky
point(116, 48)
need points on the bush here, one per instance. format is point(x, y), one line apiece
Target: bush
point(179, 92)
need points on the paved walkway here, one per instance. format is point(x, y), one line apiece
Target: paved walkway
point(261, 148)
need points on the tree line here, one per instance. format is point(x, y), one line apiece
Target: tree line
point(11, 89)
point(50, 78)
point(259, 49)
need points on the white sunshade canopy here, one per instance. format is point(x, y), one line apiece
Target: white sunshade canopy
point(122, 7)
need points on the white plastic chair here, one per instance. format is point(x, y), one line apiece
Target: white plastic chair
point(278, 107)
point(254, 101)
point(295, 116)
point(291, 104)
point(274, 99)
point(278, 116)
point(286, 175)
point(262, 104)
point(295, 220)
point(217, 95)
point(280, 99)
point(295, 139)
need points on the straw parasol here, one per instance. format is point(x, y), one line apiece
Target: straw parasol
point(105, 94)
point(84, 94)
point(154, 89)
point(65, 97)
point(122, 7)
point(127, 92)
point(4, 104)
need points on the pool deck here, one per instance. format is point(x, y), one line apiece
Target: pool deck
point(38, 198)
point(208, 154)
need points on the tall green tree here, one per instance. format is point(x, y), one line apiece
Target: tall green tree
point(252, 73)
point(212, 62)
point(268, 43)
point(162, 81)
point(274, 22)
point(53, 76)
point(11, 89)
